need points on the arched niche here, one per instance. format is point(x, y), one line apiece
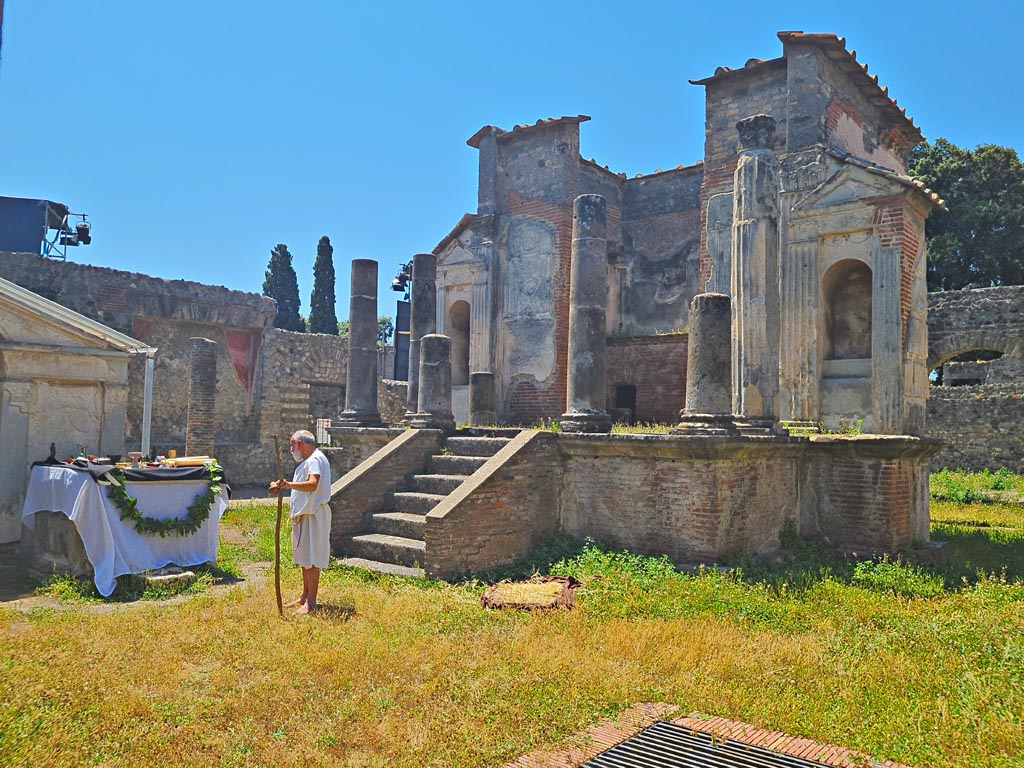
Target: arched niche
point(458, 330)
point(846, 290)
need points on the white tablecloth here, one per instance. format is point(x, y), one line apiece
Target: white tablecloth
point(113, 546)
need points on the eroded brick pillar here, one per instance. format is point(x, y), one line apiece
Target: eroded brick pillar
point(708, 407)
point(755, 277)
point(434, 410)
point(422, 317)
point(361, 377)
point(483, 400)
point(202, 396)
point(586, 393)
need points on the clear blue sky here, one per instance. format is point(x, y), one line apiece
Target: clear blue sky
point(200, 133)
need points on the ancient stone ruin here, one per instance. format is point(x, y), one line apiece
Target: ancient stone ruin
point(763, 304)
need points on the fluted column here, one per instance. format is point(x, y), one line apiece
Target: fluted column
point(361, 377)
point(586, 390)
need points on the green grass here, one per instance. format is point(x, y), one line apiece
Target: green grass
point(963, 487)
point(642, 428)
point(917, 663)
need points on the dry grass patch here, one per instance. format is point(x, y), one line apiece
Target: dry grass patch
point(410, 673)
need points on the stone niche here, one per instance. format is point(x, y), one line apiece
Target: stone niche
point(64, 380)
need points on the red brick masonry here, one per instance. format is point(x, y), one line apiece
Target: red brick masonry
point(606, 734)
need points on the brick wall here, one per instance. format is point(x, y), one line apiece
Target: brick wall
point(656, 366)
point(497, 516)
point(690, 499)
point(366, 489)
point(761, 90)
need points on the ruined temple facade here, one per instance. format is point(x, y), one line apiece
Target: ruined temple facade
point(848, 325)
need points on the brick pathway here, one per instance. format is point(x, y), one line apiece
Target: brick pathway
point(607, 733)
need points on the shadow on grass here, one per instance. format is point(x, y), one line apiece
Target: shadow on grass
point(335, 613)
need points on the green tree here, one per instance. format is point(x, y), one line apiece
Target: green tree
point(385, 330)
point(343, 329)
point(979, 241)
point(322, 317)
point(281, 284)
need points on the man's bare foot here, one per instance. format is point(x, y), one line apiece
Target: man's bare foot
point(304, 610)
point(295, 602)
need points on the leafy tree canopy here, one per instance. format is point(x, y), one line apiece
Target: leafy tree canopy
point(979, 242)
point(322, 316)
point(343, 329)
point(385, 329)
point(281, 284)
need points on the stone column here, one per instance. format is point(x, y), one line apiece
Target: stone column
point(586, 391)
point(755, 277)
point(483, 400)
point(361, 378)
point(708, 386)
point(422, 317)
point(435, 392)
point(202, 396)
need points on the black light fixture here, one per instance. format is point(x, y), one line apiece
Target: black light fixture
point(401, 282)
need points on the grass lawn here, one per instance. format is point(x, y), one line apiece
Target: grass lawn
point(922, 665)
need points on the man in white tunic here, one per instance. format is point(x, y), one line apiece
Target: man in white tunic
point(311, 515)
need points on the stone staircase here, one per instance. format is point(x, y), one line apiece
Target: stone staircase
point(393, 541)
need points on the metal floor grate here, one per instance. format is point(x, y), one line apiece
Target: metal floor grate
point(665, 745)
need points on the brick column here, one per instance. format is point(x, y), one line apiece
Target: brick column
point(202, 395)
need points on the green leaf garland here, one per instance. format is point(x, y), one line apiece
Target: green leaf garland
point(198, 512)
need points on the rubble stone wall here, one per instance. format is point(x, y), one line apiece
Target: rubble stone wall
point(982, 427)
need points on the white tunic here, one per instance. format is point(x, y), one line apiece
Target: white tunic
point(311, 514)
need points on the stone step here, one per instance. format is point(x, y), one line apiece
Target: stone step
point(476, 446)
point(386, 549)
point(415, 503)
point(456, 465)
point(402, 524)
point(388, 568)
point(439, 484)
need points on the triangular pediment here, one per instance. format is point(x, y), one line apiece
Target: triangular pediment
point(28, 318)
point(458, 252)
point(848, 186)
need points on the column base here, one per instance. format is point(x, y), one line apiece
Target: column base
point(760, 427)
point(359, 419)
point(442, 421)
point(705, 424)
point(483, 419)
point(585, 421)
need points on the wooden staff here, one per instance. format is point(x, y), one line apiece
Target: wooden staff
point(277, 534)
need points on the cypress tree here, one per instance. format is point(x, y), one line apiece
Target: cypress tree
point(322, 317)
point(282, 286)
